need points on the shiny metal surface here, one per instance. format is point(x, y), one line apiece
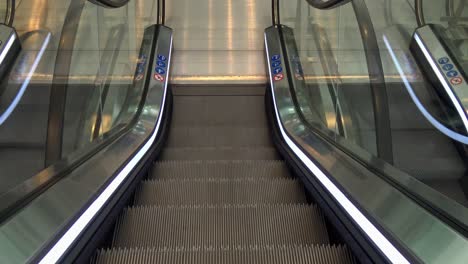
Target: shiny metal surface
point(426, 236)
point(218, 42)
point(24, 235)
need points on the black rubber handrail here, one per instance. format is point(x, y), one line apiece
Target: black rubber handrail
point(161, 12)
point(319, 4)
point(418, 9)
point(10, 12)
point(60, 83)
point(275, 6)
point(110, 3)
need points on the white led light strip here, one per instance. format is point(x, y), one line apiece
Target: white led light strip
point(64, 243)
point(7, 48)
point(385, 246)
point(25, 84)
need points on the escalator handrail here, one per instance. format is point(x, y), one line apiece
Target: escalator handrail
point(319, 4)
point(375, 68)
point(10, 12)
point(110, 3)
point(376, 74)
point(419, 12)
point(102, 77)
point(161, 12)
point(377, 81)
point(60, 81)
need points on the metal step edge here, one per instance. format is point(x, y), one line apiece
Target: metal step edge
point(300, 254)
point(221, 180)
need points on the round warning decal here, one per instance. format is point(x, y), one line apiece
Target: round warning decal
point(158, 77)
point(139, 77)
point(278, 77)
point(456, 81)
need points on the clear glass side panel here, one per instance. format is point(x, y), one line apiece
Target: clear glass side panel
point(335, 73)
point(74, 53)
point(3, 11)
point(425, 98)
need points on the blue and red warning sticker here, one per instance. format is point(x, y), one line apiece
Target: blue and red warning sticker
point(140, 69)
point(160, 68)
point(451, 72)
point(276, 68)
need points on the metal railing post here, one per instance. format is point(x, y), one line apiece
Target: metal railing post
point(161, 12)
point(275, 6)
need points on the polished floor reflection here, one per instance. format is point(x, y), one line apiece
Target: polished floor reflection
point(218, 42)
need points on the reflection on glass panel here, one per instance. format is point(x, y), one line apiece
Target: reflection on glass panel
point(421, 113)
point(424, 71)
point(336, 79)
point(90, 71)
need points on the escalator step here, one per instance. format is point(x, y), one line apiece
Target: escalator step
point(243, 111)
point(220, 153)
point(220, 226)
point(211, 136)
point(323, 254)
point(220, 192)
point(220, 169)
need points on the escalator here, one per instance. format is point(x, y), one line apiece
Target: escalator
point(220, 192)
point(226, 132)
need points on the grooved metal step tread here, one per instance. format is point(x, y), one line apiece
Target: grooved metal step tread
point(220, 153)
point(280, 191)
point(220, 169)
point(320, 254)
point(209, 136)
point(242, 111)
point(220, 226)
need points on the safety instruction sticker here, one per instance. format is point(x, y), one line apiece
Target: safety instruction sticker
point(456, 81)
point(278, 77)
point(140, 69)
point(160, 68)
point(158, 77)
point(451, 72)
point(276, 68)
